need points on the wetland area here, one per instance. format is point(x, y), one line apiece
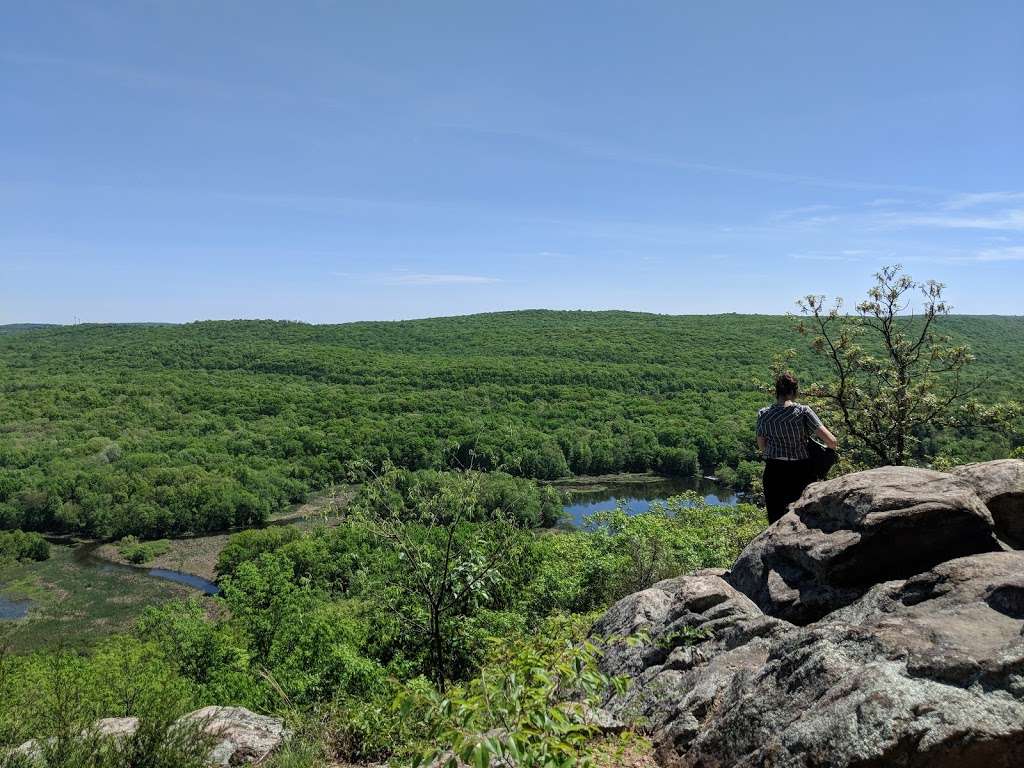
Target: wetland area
point(87, 589)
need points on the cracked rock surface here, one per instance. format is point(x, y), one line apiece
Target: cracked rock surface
point(869, 655)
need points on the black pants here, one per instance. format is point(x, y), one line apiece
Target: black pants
point(784, 481)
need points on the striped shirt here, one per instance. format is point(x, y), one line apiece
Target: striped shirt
point(786, 429)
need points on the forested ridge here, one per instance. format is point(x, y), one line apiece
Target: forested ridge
point(115, 429)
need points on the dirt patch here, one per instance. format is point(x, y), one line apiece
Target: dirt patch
point(197, 555)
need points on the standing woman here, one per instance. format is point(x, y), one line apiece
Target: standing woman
point(782, 433)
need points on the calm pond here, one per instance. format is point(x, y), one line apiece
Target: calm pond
point(638, 496)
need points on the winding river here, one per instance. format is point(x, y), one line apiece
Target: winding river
point(637, 494)
point(85, 557)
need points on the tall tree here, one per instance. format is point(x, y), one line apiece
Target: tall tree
point(450, 565)
point(893, 376)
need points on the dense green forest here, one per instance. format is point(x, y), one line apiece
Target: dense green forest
point(151, 430)
point(438, 605)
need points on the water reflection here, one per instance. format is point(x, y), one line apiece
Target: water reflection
point(638, 497)
point(13, 609)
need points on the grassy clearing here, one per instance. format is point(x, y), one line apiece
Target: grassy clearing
point(74, 605)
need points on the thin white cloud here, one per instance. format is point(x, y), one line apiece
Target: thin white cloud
point(596, 147)
point(1011, 253)
point(821, 257)
point(424, 278)
point(975, 199)
point(400, 276)
point(999, 220)
point(805, 214)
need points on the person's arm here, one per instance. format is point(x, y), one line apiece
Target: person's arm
point(827, 437)
point(762, 443)
point(815, 427)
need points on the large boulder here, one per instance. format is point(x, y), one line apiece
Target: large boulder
point(845, 535)
point(1000, 485)
point(240, 736)
point(681, 641)
point(677, 608)
point(920, 673)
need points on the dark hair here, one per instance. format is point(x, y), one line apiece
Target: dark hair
point(786, 385)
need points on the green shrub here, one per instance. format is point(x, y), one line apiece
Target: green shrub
point(527, 707)
point(23, 545)
point(496, 495)
point(138, 552)
point(670, 539)
point(248, 545)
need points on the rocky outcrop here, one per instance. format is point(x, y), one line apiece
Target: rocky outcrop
point(1000, 485)
point(675, 608)
point(239, 736)
point(845, 535)
point(918, 669)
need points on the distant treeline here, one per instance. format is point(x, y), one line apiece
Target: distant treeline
point(154, 430)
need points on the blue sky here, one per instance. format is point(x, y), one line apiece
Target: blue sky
point(333, 161)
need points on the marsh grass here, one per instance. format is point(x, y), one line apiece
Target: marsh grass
point(72, 606)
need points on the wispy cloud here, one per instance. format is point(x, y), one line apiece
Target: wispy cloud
point(822, 257)
point(402, 277)
point(975, 199)
point(608, 150)
point(424, 278)
point(1012, 219)
point(806, 213)
point(1011, 253)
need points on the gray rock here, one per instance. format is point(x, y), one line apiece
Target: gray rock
point(1000, 485)
point(845, 535)
point(671, 611)
point(241, 736)
point(116, 728)
point(691, 634)
point(119, 728)
point(926, 672)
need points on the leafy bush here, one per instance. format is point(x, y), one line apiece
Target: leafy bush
point(528, 706)
point(138, 552)
point(670, 539)
point(495, 494)
point(54, 697)
point(23, 545)
point(247, 545)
